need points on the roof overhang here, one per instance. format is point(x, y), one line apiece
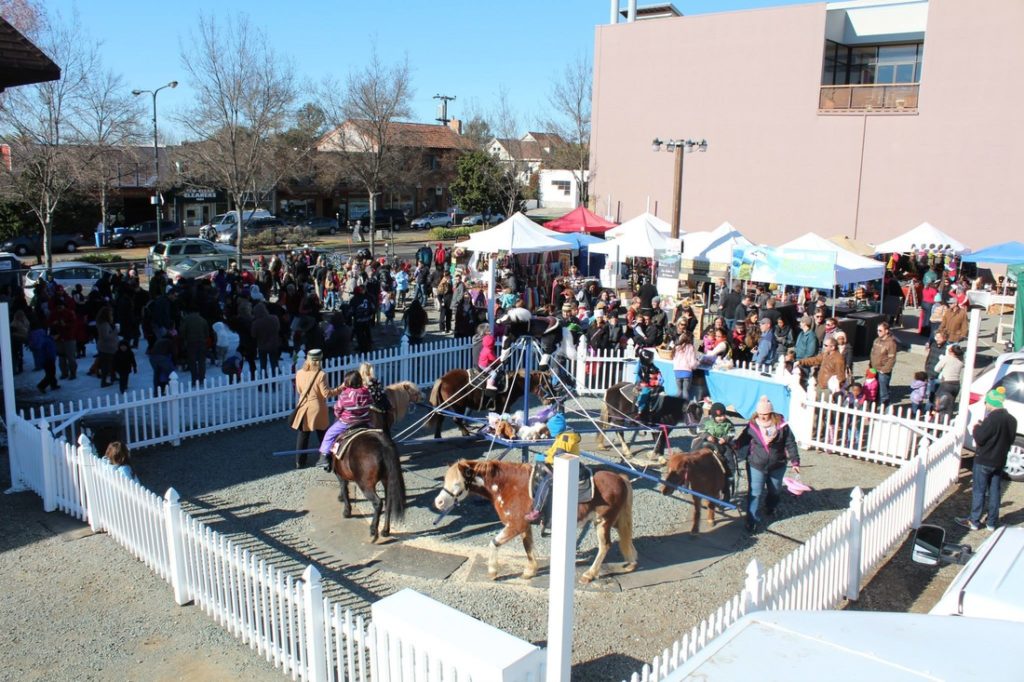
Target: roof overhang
point(21, 62)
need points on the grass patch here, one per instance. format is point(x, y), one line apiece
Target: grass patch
point(101, 258)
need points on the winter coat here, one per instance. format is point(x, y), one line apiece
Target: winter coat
point(883, 354)
point(830, 364)
point(954, 324)
point(487, 355)
point(764, 455)
point(312, 414)
point(106, 338)
point(265, 329)
point(993, 437)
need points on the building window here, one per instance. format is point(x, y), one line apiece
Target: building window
point(564, 186)
point(871, 64)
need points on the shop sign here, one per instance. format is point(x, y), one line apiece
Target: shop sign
point(199, 194)
point(796, 267)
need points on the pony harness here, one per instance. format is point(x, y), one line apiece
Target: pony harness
point(539, 470)
point(341, 446)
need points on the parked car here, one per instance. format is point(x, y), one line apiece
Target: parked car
point(429, 220)
point(1008, 372)
point(143, 233)
point(32, 244)
point(198, 266)
point(253, 227)
point(165, 254)
point(68, 274)
point(323, 225)
point(226, 221)
point(481, 219)
point(386, 219)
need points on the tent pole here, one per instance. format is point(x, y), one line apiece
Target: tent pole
point(491, 274)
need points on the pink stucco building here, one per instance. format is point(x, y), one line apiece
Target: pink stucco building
point(858, 118)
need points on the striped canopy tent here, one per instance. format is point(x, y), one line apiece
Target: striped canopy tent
point(580, 220)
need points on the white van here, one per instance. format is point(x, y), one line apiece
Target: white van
point(226, 221)
point(991, 583)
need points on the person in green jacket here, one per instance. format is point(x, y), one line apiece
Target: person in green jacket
point(807, 341)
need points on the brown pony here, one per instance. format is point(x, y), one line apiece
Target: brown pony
point(507, 486)
point(370, 458)
point(472, 398)
point(699, 471)
point(400, 396)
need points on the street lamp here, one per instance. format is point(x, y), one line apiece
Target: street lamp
point(156, 152)
point(678, 146)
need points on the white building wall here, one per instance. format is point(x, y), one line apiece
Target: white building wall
point(552, 195)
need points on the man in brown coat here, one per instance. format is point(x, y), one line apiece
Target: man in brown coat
point(830, 363)
point(954, 322)
point(311, 413)
point(883, 359)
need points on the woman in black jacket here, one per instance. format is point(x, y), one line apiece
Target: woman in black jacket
point(766, 443)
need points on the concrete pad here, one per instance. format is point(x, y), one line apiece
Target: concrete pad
point(349, 539)
point(65, 527)
point(681, 556)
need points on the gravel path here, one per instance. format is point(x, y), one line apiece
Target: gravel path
point(232, 482)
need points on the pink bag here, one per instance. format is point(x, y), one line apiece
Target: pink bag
point(795, 486)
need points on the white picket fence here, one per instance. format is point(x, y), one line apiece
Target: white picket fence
point(284, 619)
point(831, 564)
point(152, 418)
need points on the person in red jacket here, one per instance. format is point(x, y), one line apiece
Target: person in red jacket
point(63, 327)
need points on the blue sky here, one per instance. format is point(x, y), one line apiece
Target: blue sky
point(466, 48)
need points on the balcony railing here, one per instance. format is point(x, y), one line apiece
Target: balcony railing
point(898, 97)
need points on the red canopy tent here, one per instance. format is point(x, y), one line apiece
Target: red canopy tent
point(580, 220)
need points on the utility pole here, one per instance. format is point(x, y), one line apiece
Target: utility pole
point(443, 108)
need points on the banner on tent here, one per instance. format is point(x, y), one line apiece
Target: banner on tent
point(797, 267)
point(667, 271)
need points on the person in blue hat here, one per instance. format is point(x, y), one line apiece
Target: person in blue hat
point(565, 441)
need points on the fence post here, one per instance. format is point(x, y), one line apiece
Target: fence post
point(581, 364)
point(752, 592)
point(920, 483)
point(316, 655)
point(403, 362)
point(564, 496)
point(88, 459)
point(174, 390)
point(49, 484)
point(856, 536)
point(175, 547)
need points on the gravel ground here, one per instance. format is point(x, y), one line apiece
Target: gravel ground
point(111, 630)
point(232, 482)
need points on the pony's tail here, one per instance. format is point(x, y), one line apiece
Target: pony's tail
point(435, 400)
point(395, 485)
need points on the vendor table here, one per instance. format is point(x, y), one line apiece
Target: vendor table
point(742, 388)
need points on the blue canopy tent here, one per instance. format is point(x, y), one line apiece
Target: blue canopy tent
point(1007, 253)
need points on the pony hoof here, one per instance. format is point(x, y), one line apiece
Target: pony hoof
point(586, 578)
point(346, 514)
point(629, 568)
point(492, 575)
point(528, 575)
point(385, 533)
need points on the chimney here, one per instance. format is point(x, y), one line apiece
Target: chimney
point(5, 156)
point(456, 125)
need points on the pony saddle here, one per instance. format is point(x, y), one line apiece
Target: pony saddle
point(586, 484)
point(345, 440)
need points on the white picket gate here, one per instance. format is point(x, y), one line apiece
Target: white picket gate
point(151, 418)
point(831, 564)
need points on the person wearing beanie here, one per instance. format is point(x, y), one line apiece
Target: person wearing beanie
point(766, 443)
point(565, 441)
point(993, 437)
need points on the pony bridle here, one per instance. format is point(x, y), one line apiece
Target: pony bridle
point(460, 496)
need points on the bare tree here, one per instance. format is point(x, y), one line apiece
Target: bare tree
point(571, 97)
point(370, 151)
point(109, 123)
point(243, 96)
point(517, 169)
point(38, 122)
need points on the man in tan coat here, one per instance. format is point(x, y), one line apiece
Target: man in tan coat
point(954, 322)
point(311, 412)
point(830, 363)
point(883, 359)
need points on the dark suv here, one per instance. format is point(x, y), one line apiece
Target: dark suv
point(32, 244)
point(143, 233)
point(386, 219)
point(253, 227)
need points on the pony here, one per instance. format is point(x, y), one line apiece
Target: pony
point(507, 486)
point(369, 457)
point(618, 410)
point(401, 396)
point(701, 472)
point(455, 383)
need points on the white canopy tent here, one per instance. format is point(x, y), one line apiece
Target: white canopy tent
point(639, 224)
point(640, 242)
point(850, 268)
point(715, 246)
point(924, 237)
point(518, 234)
